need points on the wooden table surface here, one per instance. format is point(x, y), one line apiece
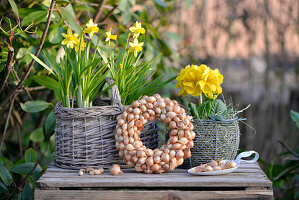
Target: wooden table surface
point(247, 182)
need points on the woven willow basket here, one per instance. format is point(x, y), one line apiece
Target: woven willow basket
point(85, 136)
point(214, 140)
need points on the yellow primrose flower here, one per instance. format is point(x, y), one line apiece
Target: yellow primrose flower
point(210, 83)
point(135, 46)
point(83, 46)
point(110, 37)
point(188, 80)
point(136, 29)
point(91, 28)
point(195, 80)
point(70, 39)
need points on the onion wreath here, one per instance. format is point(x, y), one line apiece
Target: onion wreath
point(170, 155)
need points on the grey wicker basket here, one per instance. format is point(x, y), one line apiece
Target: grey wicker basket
point(85, 136)
point(214, 140)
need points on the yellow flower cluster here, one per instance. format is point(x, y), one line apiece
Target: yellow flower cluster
point(137, 29)
point(136, 46)
point(195, 80)
point(110, 36)
point(91, 28)
point(71, 40)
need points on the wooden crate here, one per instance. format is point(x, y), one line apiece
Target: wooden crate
point(247, 182)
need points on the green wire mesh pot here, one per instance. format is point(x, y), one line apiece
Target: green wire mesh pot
point(214, 140)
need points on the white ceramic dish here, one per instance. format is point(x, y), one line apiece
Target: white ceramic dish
point(238, 160)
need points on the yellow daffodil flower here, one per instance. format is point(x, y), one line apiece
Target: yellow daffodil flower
point(137, 29)
point(70, 39)
point(83, 46)
point(110, 37)
point(195, 80)
point(91, 28)
point(135, 47)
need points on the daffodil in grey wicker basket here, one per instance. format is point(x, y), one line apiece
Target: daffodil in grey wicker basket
point(133, 73)
point(85, 122)
point(79, 72)
point(215, 123)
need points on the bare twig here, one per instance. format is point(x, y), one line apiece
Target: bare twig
point(20, 142)
point(18, 79)
point(33, 88)
point(12, 92)
point(109, 13)
point(100, 10)
point(90, 4)
point(7, 120)
point(288, 148)
point(7, 68)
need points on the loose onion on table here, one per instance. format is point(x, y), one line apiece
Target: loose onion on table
point(215, 166)
point(115, 169)
point(169, 156)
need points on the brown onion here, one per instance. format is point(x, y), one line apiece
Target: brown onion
point(165, 157)
point(155, 167)
point(135, 104)
point(151, 99)
point(115, 169)
point(179, 154)
point(150, 161)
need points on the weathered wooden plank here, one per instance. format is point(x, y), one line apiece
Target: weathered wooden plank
point(132, 171)
point(156, 181)
point(247, 175)
point(73, 176)
point(239, 170)
point(243, 165)
point(54, 170)
point(133, 175)
point(146, 194)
